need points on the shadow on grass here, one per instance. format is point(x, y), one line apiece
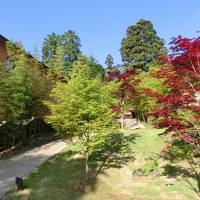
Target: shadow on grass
point(63, 176)
point(115, 152)
point(180, 150)
point(186, 175)
point(175, 171)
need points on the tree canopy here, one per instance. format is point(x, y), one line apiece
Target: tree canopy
point(141, 45)
point(68, 43)
point(82, 107)
point(109, 61)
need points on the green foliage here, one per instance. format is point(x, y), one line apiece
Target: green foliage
point(95, 68)
point(3, 77)
point(57, 71)
point(50, 44)
point(150, 166)
point(23, 88)
point(144, 103)
point(68, 43)
point(40, 85)
point(109, 61)
point(82, 107)
point(181, 150)
point(26, 84)
point(14, 95)
point(141, 45)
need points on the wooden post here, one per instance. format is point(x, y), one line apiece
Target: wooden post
point(19, 183)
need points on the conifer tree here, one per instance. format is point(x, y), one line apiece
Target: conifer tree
point(68, 42)
point(141, 45)
point(109, 61)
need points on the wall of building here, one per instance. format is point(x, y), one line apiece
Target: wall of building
point(3, 53)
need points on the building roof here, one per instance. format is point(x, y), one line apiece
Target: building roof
point(3, 38)
point(28, 54)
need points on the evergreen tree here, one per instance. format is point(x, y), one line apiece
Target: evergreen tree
point(57, 71)
point(50, 44)
point(141, 45)
point(95, 68)
point(69, 42)
point(109, 61)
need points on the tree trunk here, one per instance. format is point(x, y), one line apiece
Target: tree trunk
point(13, 141)
point(122, 121)
point(122, 114)
point(137, 117)
point(86, 165)
point(143, 117)
point(86, 152)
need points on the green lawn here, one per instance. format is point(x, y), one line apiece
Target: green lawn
point(148, 143)
point(61, 177)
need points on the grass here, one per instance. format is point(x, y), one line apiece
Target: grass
point(148, 143)
point(62, 176)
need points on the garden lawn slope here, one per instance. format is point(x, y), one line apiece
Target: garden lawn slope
point(144, 178)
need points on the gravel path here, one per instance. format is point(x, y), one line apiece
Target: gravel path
point(22, 164)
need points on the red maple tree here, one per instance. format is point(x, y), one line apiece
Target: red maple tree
point(179, 109)
point(127, 91)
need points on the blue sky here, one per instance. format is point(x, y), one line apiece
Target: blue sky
point(100, 24)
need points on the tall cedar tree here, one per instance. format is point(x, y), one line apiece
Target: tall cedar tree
point(109, 62)
point(82, 108)
point(141, 45)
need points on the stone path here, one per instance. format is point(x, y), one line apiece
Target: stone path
point(22, 164)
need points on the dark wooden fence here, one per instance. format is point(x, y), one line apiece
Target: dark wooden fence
point(12, 134)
